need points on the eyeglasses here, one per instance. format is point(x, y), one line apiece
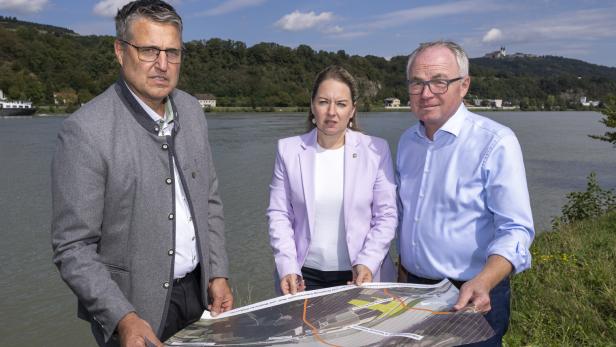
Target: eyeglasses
point(436, 86)
point(150, 54)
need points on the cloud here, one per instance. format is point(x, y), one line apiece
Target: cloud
point(581, 25)
point(22, 6)
point(109, 8)
point(421, 13)
point(492, 35)
point(231, 6)
point(336, 29)
point(297, 21)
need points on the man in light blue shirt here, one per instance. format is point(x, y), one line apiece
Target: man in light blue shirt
point(463, 200)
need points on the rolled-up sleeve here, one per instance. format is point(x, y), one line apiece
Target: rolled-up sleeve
point(508, 200)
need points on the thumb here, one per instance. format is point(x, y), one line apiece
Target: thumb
point(463, 300)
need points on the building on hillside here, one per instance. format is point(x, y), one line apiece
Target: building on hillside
point(392, 103)
point(65, 97)
point(497, 54)
point(206, 100)
point(588, 103)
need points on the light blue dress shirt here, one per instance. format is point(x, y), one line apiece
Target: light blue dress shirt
point(462, 197)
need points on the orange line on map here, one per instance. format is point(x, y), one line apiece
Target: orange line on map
point(315, 332)
point(412, 308)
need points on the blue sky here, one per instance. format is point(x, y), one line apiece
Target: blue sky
point(583, 29)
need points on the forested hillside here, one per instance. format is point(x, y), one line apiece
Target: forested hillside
point(38, 60)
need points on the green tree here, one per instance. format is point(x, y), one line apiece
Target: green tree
point(609, 120)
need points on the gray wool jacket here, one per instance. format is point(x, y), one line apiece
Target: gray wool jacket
point(113, 227)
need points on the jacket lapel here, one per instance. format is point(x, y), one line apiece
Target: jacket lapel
point(306, 162)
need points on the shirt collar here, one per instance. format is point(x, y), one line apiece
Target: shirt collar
point(168, 118)
point(453, 125)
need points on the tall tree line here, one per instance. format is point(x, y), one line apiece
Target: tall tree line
point(37, 61)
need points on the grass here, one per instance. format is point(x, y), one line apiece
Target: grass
point(568, 297)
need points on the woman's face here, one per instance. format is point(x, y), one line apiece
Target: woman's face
point(332, 107)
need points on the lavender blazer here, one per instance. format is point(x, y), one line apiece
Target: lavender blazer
point(370, 212)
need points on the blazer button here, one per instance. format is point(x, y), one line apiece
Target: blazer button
point(166, 285)
point(165, 146)
point(171, 216)
point(169, 180)
point(170, 252)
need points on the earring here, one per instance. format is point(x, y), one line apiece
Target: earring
point(350, 124)
point(314, 121)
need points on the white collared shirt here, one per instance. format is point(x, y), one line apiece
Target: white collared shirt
point(185, 257)
point(463, 197)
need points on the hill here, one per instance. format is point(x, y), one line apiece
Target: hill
point(12, 23)
point(38, 60)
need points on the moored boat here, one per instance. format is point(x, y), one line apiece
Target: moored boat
point(10, 108)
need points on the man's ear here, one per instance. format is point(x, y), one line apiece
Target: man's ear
point(465, 85)
point(119, 51)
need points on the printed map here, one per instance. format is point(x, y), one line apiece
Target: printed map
point(375, 314)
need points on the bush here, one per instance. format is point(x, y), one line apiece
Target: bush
point(594, 202)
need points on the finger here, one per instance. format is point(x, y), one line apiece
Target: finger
point(152, 342)
point(482, 304)
point(292, 284)
point(362, 278)
point(463, 299)
point(302, 285)
point(228, 303)
point(284, 287)
point(217, 304)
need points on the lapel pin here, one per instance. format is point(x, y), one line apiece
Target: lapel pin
point(354, 155)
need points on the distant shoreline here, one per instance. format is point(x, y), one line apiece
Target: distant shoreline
point(46, 111)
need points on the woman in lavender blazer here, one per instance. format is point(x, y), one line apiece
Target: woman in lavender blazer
point(332, 211)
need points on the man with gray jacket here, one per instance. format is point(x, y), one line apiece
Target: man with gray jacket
point(137, 229)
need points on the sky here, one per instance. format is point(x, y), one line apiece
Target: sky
point(582, 29)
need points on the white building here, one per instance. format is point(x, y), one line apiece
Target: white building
point(497, 54)
point(206, 100)
point(588, 103)
point(392, 103)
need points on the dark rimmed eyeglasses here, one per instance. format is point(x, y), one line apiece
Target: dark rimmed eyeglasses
point(436, 86)
point(150, 54)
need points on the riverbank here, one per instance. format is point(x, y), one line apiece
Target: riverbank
point(568, 297)
point(55, 110)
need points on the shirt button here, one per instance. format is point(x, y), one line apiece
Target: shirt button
point(193, 238)
point(416, 219)
point(190, 219)
point(164, 146)
point(170, 252)
point(169, 180)
point(171, 216)
point(166, 285)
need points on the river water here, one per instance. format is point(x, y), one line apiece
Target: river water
point(38, 309)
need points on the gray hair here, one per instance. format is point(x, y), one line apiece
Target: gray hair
point(457, 50)
point(154, 10)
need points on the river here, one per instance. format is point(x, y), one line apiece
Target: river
point(38, 309)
